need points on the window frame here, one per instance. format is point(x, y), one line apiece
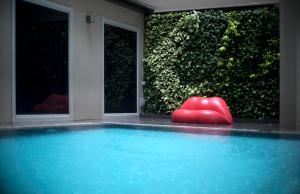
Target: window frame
point(138, 57)
point(43, 117)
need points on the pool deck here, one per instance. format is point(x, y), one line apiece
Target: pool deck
point(248, 126)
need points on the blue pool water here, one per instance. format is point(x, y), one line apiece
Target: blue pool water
point(126, 161)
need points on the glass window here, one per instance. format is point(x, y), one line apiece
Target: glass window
point(41, 60)
point(120, 70)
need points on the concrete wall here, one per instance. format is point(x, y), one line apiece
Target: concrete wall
point(298, 65)
point(87, 67)
point(5, 61)
point(298, 68)
point(289, 64)
point(86, 52)
point(174, 5)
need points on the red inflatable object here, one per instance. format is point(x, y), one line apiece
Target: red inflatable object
point(212, 110)
point(54, 103)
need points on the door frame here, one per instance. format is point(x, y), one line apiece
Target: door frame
point(138, 57)
point(43, 117)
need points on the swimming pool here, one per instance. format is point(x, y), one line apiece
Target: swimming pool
point(114, 159)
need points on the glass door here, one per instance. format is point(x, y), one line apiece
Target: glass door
point(120, 70)
point(42, 60)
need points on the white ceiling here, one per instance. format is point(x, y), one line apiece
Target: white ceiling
point(176, 5)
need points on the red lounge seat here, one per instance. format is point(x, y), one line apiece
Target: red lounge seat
point(54, 103)
point(212, 110)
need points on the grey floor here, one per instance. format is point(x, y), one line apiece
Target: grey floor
point(271, 126)
point(245, 127)
point(165, 121)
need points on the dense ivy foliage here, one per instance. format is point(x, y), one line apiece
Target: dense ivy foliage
point(232, 54)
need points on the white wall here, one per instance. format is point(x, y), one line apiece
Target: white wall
point(289, 64)
point(298, 67)
point(174, 5)
point(86, 53)
point(5, 61)
point(86, 68)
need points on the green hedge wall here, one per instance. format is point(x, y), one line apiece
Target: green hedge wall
point(231, 54)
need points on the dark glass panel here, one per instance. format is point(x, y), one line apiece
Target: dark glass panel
point(41, 60)
point(120, 63)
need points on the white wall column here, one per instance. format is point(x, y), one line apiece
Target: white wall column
point(298, 67)
point(289, 64)
point(5, 61)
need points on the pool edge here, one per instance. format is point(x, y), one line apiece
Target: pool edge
point(213, 130)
